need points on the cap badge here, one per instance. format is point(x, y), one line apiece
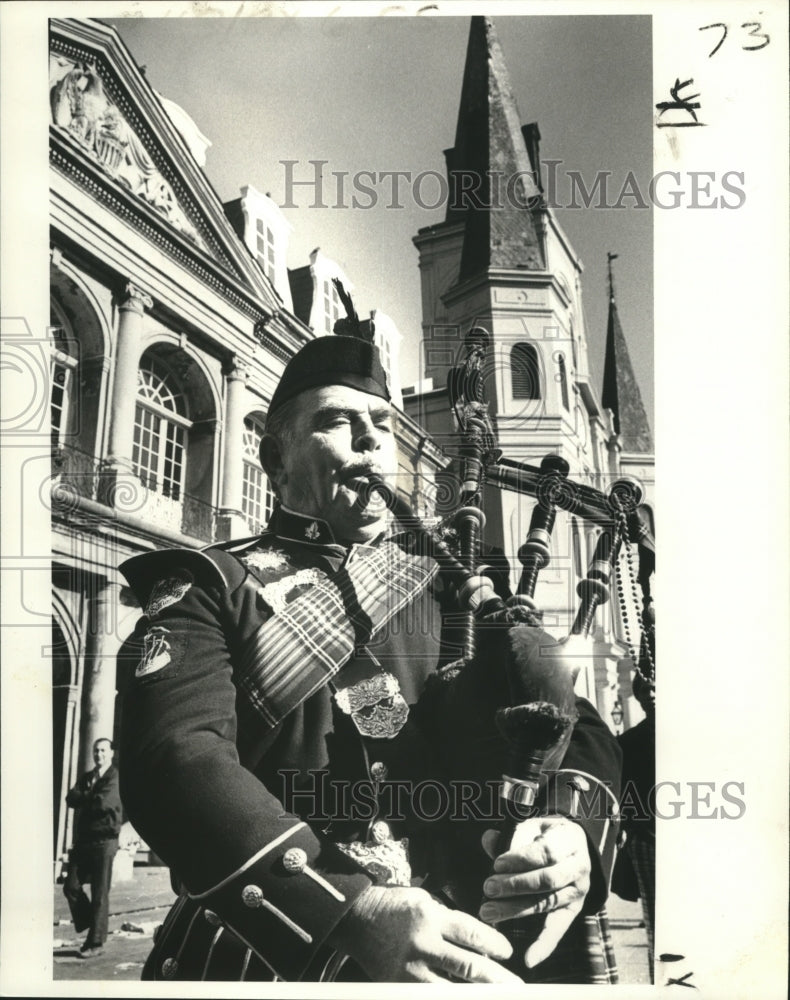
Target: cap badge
point(311, 531)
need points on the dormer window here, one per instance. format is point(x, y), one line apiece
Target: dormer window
point(331, 307)
point(265, 249)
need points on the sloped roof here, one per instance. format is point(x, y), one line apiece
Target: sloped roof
point(621, 392)
point(499, 227)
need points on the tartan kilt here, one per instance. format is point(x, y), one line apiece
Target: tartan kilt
point(579, 958)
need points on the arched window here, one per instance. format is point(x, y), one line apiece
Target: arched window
point(563, 380)
point(62, 398)
point(161, 427)
point(525, 372)
point(63, 395)
point(257, 498)
point(62, 732)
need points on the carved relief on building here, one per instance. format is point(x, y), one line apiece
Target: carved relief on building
point(80, 106)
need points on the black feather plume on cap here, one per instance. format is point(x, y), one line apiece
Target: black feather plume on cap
point(350, 326)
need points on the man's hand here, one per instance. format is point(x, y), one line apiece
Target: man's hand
point(401, 935)
point(547, 870)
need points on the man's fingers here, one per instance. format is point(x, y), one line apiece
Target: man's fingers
point(525, 906)
point(554, 926)
point(463, 929)
point(490, 841)
point(548, 848)
point(573, 870)
point(542, 839)
point(470, 967)
point(419, 972)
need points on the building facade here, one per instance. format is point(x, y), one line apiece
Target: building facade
point(172, 318)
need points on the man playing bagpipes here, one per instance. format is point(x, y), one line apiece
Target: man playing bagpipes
point(279, 673)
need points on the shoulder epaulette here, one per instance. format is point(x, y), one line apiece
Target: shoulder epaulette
point(236, 546)
point(209, 568)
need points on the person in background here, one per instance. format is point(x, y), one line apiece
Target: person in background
point(97, 798)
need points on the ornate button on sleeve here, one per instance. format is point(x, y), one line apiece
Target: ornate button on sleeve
point(295, 862)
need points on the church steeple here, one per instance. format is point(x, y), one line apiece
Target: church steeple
point(620, 389)
point(497, 210)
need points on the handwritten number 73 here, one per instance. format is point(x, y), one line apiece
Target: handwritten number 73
point(754, 32)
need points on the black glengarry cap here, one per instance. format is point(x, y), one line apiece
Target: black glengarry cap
point(335, 360)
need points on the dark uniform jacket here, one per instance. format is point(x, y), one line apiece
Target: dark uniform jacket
point(99, 803)
point(638, 746)
point(243, 759)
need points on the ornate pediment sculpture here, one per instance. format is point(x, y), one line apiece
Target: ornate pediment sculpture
point(80, 106)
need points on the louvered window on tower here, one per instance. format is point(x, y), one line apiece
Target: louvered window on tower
point(525, 372)
point(563, 380)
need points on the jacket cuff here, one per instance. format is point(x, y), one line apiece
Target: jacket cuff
point(286, 899)
point(592, 804)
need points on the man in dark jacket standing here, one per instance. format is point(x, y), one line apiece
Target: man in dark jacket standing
point(97, 797)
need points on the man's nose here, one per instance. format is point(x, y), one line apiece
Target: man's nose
point(367, 437)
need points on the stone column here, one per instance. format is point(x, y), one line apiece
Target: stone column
point(231, 519)
point(117, 486)
point(127, 360)
point(98, 688)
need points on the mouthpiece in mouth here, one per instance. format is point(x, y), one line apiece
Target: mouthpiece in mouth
point(367, 487)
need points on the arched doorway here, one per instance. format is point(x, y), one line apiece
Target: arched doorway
point(63, 704)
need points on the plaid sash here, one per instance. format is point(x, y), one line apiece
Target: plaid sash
point(300, 648)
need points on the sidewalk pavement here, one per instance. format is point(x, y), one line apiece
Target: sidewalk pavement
point(139, 905)
point(136, 908)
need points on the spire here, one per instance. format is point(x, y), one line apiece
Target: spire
point(499, 223)
point(620, 389)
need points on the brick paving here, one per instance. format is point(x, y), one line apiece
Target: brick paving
point(139, 905)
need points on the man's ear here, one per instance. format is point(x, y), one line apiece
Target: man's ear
point(272, 460)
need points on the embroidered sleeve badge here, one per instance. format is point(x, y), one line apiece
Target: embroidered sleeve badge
point(156, 652)
point(168, 591)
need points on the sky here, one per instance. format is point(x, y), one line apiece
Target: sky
point(382, 94)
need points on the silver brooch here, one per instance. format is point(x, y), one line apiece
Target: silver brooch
point(376, 706)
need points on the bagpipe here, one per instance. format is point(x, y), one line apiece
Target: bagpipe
point(511, 704)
